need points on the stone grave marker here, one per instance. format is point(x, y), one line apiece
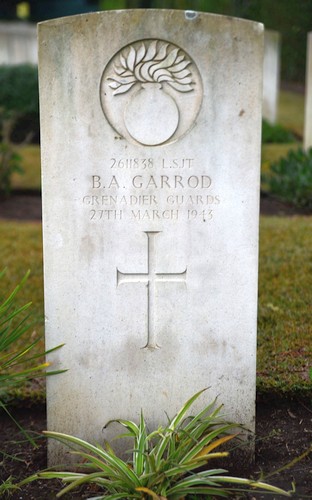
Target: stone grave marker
point(307, 135)
point(271, 75)
point(18, 43)
point(150, 135)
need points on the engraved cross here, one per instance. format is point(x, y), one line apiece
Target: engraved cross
point(151, 278)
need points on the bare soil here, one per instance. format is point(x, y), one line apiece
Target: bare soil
point(21, 205)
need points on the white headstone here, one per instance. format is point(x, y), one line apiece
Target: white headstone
point(271, 75)
point(150, 135)
point(307, 135)
point(18, 43)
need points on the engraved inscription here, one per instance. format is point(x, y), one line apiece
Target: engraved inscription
point(164, 181)
point(151, 92)
point(151, 189)
point(151, 278)
point(153, 181)
point(148, 163)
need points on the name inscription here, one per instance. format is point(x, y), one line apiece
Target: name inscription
point(151, 196)
point(153, 181)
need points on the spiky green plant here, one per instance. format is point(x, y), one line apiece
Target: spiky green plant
point(17, 363)
point(164, 463)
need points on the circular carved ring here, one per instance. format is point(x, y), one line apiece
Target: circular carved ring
point(151, 92)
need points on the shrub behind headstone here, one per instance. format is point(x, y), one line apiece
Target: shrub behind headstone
point(19, 100)
point(276, 134)
point(290, 178)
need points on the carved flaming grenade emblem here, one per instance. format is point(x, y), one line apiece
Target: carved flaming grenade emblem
point(152, 74)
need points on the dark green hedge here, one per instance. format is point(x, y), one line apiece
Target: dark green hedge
point(275, 133)
point(19, 97)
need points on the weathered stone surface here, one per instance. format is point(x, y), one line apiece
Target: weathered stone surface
point(150, 134)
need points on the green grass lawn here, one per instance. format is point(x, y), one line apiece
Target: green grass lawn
point(291, 111)
point(20, 250)
point(31, 178)
point(284, 318)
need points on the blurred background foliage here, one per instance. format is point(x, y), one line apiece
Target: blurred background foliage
point(292, 19)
